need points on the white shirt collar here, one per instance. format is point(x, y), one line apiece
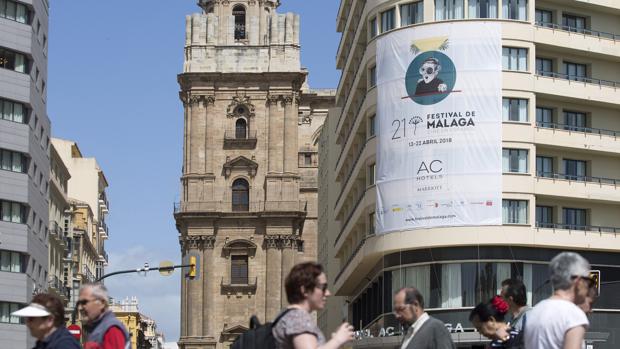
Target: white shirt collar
point(414, 329)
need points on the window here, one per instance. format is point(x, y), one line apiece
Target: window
point(239, 270)
point(239, 14)
point(240, 195)
point(514, 109)
point(411, 13)
point(514, 9)
point(544, 166)
point(544, 216)
point(544, 18)
point(575, 71)
point(13, 161)
point(574, 218)
point(544, 66)
point(574, 169)
point(482, 8)
point(307, 159)
point(514, 58)
point(573, 23)
point(387, 20)
point(373, 76)
point(15, 11)
point(241, 129)
point(12, 212)
point(514, 211)
point(372, 125)
point(544, 117)
point(13, 61)
point(371, 223)
point(6, 309)
point(574, 121)
point(448, 9)
point(12, 262)
point(372, 170)
point(13, 111)
point(514, 160)
point(373, 27)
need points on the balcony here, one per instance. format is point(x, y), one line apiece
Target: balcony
point(57, 233)
point(234, 139)
point(87, 274)
point(55, 285)
point(588, 32)
point(353, 254)
point(579, 228)
point(584, 187)
point(104, 205)
point(579, 88)
point(103, 230)
point(239, 285)
point(228, 207)
point(593, 139)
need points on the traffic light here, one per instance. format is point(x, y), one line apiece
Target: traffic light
point(192, 267)
point(595, 275)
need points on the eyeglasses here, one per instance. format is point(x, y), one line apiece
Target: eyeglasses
point(323, 287)
point(588, 280)
point(427, 70)
point(83, 302)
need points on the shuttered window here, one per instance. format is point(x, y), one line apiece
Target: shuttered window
point(239, 270)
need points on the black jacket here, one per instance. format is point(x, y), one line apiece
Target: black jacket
point(60, 339)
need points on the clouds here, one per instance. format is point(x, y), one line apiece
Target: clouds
point(159, 296)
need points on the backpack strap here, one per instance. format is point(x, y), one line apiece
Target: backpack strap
point(280, 316)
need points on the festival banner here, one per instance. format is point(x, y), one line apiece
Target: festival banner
point(439, 152)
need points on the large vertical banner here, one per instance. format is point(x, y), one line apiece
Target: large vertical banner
point(439, 156)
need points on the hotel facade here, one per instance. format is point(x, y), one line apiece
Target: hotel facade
point(560, 162)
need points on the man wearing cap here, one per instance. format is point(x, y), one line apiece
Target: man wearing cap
point(45, 318)
point(104, 331)
point(557, 322)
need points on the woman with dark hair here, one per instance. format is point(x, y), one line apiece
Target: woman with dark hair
point(306, 291)
point(488, 319)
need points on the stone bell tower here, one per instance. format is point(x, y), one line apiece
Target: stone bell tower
point(249, 182)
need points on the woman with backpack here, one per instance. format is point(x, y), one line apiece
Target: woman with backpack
point(488, 319)
point(306, 291)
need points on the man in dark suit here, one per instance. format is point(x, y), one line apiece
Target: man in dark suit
point(429, 83)
point(425, 332)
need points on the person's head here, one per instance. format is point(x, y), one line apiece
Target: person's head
point(408, 305)
point(306, 283)
point(588, 302)
point(93, 301)
point(430, 69)
point(487, 317)
point(44, 314)
point(513, 291)
point(570, 272)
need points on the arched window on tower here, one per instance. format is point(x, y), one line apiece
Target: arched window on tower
point(239, 14)
point(241, 129)
point(240, 195)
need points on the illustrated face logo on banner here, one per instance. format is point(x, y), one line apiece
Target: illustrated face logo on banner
point(439, 127)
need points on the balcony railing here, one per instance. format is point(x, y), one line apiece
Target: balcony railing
point(103, 228)
point(584, 31)
point(588, 179)
point(346, 222)
point(244, 285)
point(227, 206)
point(55, 283)
point(355, 252)
point(350, 172)
point(571, 128)
point(589, 228)
point(90, 277)
point(587, 80)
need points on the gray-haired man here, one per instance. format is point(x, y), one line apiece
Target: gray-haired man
point(557, 322)
point(104, 331)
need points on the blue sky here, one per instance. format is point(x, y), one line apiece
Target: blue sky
point(112, 88)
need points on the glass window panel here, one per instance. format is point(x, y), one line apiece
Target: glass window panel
point(5, 261)
point(373, 27)
point(15, 262)
point(13, 308)
point(387, 20)
point(10, 10)
point(6, 160)
point(17, 162)
point(451, 281)
point(20, 65)
point(18, 112)
point(6, 211)
point(4, 312)
point(522, 60)
point(16, 213)
point(21, 13)
point(3, 8)
point(514, 211)
point(7, 110)
point(440, 6)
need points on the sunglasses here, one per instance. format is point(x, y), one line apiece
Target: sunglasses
point(428, 70)
point(588, 280)
point(83, 302)
point(323, 287)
